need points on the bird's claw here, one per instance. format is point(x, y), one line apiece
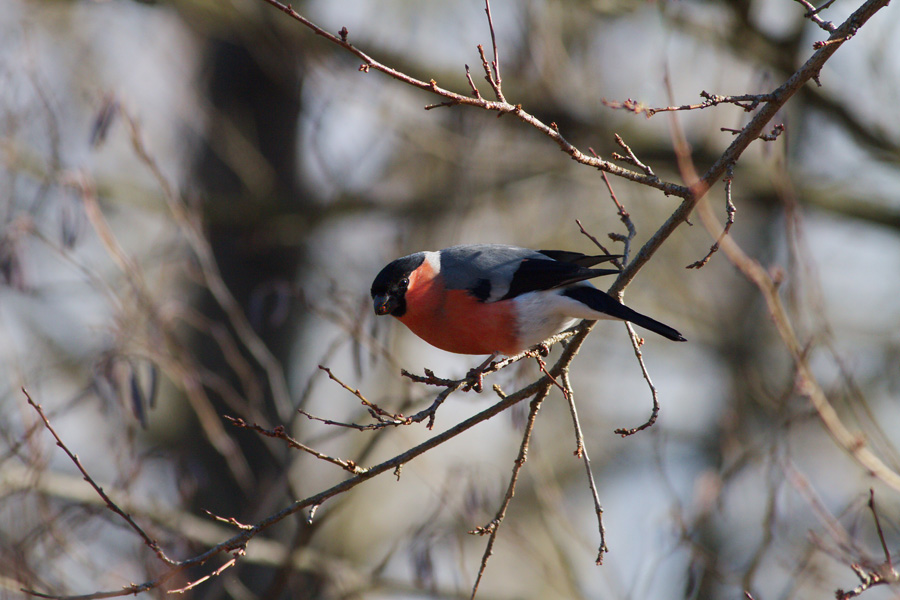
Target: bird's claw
point(475, 380)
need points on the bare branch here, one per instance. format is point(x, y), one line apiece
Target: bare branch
point(496, 81)
point(636, 343)
point(812, 13)
point(279, 433)
point(492, 528)
point(150, 542)
point(581, 452)
point(729, 210)
point(499, 106)
point(376, 411)
point(750, 133)
point(238, 542)
point(748, 102)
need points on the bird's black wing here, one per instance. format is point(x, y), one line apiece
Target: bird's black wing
point(536, 274)
point(577, 258)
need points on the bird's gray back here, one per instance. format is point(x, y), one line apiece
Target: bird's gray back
point(487, 269)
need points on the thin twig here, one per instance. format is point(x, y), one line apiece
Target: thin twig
point(475, 91)
point(581, 452)
point(777, 130)
point(812, 13)
point(279, 433)
point(497, 82)
point(748, 102)
point(230, 563)
point(884, 547)
point(636, 343)
point(591, 237)
point(492, 528)
point(376, 411)
point(543, 368)
point(150, 542)
point(729, 210)
point(630, 157)
point(624, 216)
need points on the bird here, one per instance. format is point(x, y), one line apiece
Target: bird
point(498, 299)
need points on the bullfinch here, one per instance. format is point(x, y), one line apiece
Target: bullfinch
point(498, 299)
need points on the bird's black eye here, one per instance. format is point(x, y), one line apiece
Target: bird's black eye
point(404, 282)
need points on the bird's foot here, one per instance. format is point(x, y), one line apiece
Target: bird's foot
point(475, 377)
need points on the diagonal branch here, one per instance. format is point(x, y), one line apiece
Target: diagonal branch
point(753, 129)
point(238, 542)
point(150, 542)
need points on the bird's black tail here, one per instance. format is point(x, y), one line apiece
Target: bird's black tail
point(604, 303)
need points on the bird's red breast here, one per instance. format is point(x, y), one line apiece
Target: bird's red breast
point(455, 320)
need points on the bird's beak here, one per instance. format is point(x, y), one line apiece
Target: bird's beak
point(384, 304)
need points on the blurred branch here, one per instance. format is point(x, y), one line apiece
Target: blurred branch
point(853, 444)
point(192, 231)
point(806, 383)
point(179, 365)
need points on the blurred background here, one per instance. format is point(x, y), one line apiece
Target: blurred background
point(196, 195)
